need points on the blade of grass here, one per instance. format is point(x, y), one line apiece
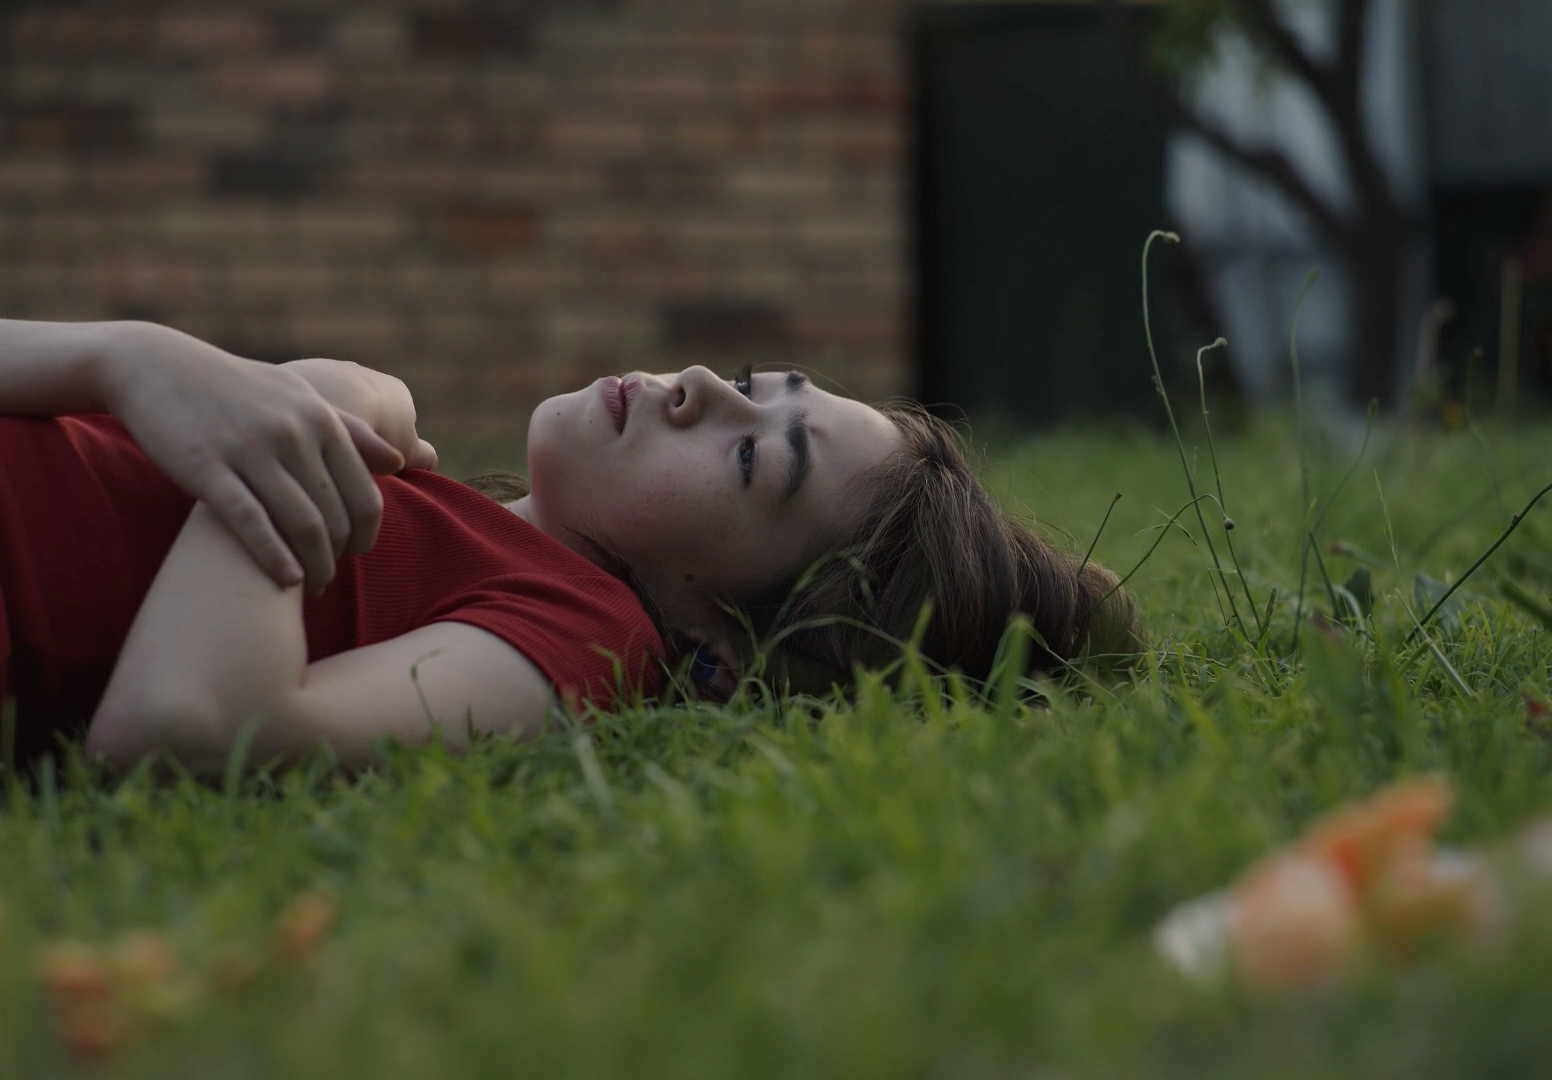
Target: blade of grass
point(1098, 532)
point(1514, 523)
point(1158, 384)
point(1228, 522)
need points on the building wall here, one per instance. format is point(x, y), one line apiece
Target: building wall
point(493, 201)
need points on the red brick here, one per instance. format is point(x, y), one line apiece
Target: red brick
point(69, 125)
point(357, 229)
point(765, 183)
point(489, 230)
point(252, 279)
point(114, 179)
point(375, 35)
point(596, 136)
point(616, 236)
point(347, 335)
point(178, 120)
point(531, 278)
point(76, 32)
point(471, 34)
point(869, 332)
point(420, 278)
point(662, 90)
point(201, 34)
point(510, 385)
point(38, 177)
point(297, 82)
point(823, 96)
point(141, 280)
point(598, 332)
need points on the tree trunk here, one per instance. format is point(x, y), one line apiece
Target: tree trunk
point(1375, 252)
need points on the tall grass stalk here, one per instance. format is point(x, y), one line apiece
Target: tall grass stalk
point(1228, 522)
point(1180, 446)
point(1514, 523)
point(1298, 429)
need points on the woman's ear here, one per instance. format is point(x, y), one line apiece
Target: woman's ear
point(714, 664)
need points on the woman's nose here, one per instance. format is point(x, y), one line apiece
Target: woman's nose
point(697, 392)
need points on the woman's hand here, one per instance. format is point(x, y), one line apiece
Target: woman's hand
point(287, 472)
point(383, 401)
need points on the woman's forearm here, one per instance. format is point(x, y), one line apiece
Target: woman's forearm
point(215, 643)
point(53, 369)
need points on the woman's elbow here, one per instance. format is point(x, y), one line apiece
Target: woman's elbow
point(124, 733)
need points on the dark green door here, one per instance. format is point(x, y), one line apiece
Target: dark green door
point(1040, 173)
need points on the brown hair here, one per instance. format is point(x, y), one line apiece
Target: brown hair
point(929, 533)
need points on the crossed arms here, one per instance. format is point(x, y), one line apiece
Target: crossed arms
point(281, 460)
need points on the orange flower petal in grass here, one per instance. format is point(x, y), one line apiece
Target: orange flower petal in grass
point(93, 1028)
point(303, 924)
point(234, 968)
point(1292, 923)
point(71, 971)
point(143, 958)
point(1395, 825)
point(1418, 903)
point(80, 993)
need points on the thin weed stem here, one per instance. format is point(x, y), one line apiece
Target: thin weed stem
point(1228, 522)
point(1514, 523)
point(1324, 576)
point(1163, 532)
point(1097, 533)
point(1158, 384)
point(1298, 432)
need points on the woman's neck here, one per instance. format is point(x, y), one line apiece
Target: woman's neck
point(523, 508)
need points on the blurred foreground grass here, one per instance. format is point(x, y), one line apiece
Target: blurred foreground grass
point(904, 886)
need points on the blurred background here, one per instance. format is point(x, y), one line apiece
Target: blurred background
point(497, 200)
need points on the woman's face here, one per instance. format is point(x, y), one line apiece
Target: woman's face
point(701, 481)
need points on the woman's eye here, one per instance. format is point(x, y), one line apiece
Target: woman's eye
point(743, 382)
point(746, 450)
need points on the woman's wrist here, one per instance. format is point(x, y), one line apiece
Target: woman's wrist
point(119, 352)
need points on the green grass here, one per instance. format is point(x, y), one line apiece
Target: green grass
point(910, 885)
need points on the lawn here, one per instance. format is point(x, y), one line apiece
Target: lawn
point(924, 882)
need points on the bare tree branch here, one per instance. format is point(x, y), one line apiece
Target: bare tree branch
point(1263, 22)
point(1272, 165)
point(1346, 105)
point(1352, 21)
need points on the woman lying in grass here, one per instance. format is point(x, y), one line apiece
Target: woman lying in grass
point(669, 516)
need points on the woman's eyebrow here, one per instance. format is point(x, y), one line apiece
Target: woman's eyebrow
point(799, 461)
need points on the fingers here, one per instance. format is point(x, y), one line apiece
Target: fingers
point(297, 516)
point(242, 513)
point(423, 456)
point(360, 499)
point(377, 452)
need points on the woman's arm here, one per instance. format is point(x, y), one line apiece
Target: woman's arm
point(216, 643)
point(287, 471)
point(53, 369)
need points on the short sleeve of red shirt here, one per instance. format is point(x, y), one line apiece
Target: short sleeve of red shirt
point(86, 520)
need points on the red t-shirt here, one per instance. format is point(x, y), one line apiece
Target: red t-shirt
point(86, 520)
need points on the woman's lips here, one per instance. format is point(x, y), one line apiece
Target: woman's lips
point(614, 401)
point(619, 395)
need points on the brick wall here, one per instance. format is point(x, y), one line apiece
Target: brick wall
point(493, 201)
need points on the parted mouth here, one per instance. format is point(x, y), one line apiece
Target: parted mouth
point(614, 401)
point(630, 390)
point(620, 396)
